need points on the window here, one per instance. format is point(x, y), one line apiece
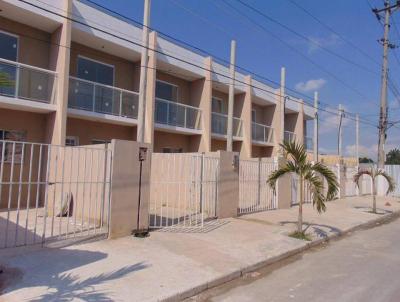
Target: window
point(88, 96)
point(219, 106)
point(166, 91)
point(8, 51)
point(72, 141)
point(172, 150)
point(253, 115)
point(9, 46)
point(100, 141)
point(13, 136)
point(95, 71)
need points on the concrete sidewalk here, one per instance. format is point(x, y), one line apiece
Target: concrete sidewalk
point(171, 265)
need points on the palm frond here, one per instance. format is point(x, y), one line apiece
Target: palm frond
point(316, 187)
point(330, 177)
point(360, 173)
point(294, 151)
point(274, 176)
point(389, 179)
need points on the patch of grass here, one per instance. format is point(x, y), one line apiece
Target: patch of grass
point(300, 235)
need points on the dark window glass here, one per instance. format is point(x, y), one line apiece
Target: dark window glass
point(95, 72)
point(9, 47)
point(166, 91)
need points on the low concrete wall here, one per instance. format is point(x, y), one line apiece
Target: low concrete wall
point(130, 177)
point(228, 184)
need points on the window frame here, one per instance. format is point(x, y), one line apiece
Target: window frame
point(255, 115)
point(18, 40)
point(3, 139)
point(222, 102)
point(98, 62)
point(171, 84)
point(73, 137)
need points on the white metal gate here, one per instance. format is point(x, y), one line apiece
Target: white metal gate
point(254, 192)
point(183, 189)
point(394, 172)
point(50, 192)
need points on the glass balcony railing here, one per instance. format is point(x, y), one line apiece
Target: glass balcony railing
point(289, 136)
point(28, 82)
point(219, 124)
point(309, 143)
point(177, 115)
point(95, 97)
point(262, 133)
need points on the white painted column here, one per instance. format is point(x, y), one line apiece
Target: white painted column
point(315, 139)
point(143, 72)
point(282, 100)
point(229, 134)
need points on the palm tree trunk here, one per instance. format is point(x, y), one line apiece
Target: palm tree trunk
point(373, 196)
point(300, 220)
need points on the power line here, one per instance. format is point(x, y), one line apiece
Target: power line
point(160, 52)
point(252, 8)
point(349, 42)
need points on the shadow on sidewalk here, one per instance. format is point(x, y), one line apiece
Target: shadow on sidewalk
point(50, 268)
point(321, 230)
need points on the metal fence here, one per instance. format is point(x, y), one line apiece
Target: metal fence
point(50, 192)
point(183, 189)
point(254, 193)
point(295, 190)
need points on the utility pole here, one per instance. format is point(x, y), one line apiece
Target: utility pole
point(340, 132)
point(231, 98)
point(143, 72)
point(315, 145)
point(357, 137)
point(387, 10)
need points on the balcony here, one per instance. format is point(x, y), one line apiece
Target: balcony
point(308, 143)
point(27, 83)
point(98, 98)
point(219, 125)
point(261, 133)
point(289, 136)
point(174, 115)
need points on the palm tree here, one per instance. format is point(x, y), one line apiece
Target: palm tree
point(310, 174)
point(374, 173)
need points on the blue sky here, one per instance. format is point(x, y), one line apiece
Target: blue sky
point(211, 24)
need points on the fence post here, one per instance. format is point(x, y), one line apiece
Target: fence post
point(130, 192)
point(228, 184)
point(284, 188)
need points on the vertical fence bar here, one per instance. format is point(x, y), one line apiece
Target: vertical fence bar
point(46, 198)
point(3, 145)
point(28, 198)
point(75, 209)
point(70, 197)
point(10, 193)
point(38, 186)
point(90, 190)
point(21, 172)
point(55, 190)
point(83, 194)
point(61, 211)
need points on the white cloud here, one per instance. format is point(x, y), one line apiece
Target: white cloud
point(310, 85)
point(329, 122)
point(316, 43)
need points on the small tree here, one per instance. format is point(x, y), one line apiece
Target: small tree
point(365, 160)
point(374, 173)
point(310, 174)
point(393, 157)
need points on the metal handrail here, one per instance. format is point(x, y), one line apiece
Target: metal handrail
point(268, 129)
point(178, 104)
point(103, 85)
point(18, 64)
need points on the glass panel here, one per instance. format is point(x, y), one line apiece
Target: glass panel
point(219, 106)
point(129, 105)
point(219, 124)
point(166, 91)
point(161, 112)
point(35, 85)
point(10, 72)
point(107, 100)
point(9, 47)
point(80, 95)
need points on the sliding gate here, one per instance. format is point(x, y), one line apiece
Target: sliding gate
point(50, 192)
point(183, 189)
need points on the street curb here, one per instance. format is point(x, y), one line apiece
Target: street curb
point(251, 268)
